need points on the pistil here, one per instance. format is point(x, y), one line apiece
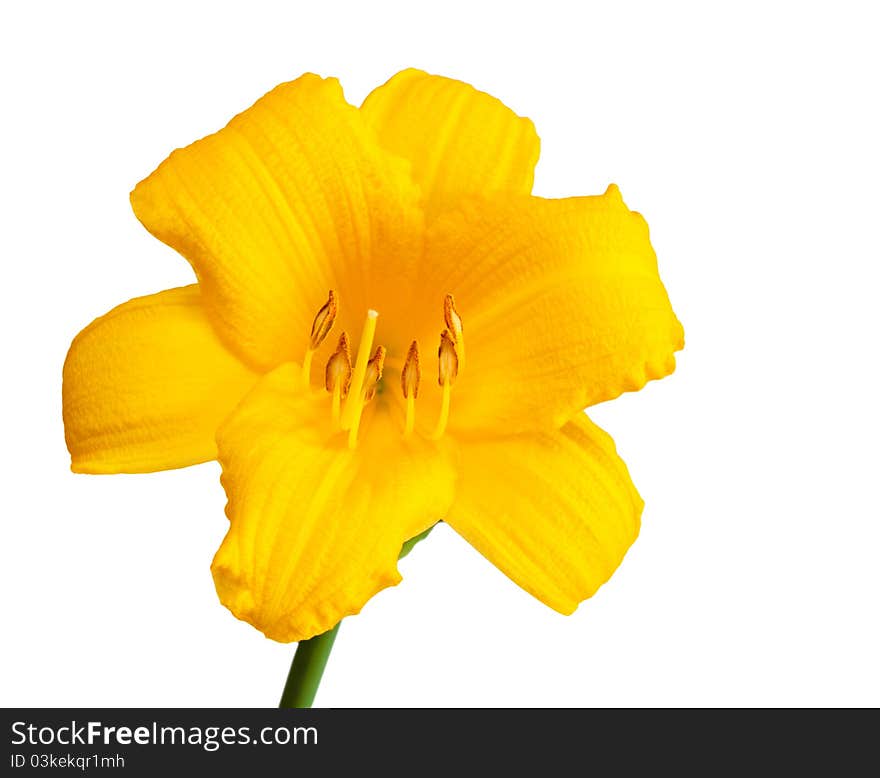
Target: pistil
point(354, 401)
point(371, 382)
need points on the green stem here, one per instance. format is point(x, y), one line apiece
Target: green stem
point(306, 670)
point(311, 656)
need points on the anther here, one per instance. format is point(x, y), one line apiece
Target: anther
point(374, 373)
point(321, 327)
point(454, 325)
point(447, 373)
point(410, 377)
point(337, 375)
point(323, 322)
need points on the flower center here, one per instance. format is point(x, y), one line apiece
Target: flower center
point(351, 387)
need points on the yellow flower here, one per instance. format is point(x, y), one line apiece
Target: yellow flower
point(415, 210)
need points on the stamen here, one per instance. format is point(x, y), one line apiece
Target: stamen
point(355, 393)
point(447, 373)
point(410, 377)
point(371, 380)
point(337, 375)
point(453, 323)
point(448, 367)
point(321, 326)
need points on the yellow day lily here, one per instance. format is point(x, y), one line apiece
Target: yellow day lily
point(467, 326)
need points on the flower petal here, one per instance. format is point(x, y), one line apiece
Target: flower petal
point(316, 528)
point(292, 198)
point(562, 307)
point(146, 386)
point(555, 511)
point(460, 141)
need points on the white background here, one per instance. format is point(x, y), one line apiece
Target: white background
point(748, 139)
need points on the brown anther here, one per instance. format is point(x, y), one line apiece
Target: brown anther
point(323, 322)
point(374, 373)
point(448, 359)
point(411, 374)
point(338, 371)
point(453, 320)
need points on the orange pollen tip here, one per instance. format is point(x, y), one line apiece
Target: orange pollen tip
point(453, 320)
point(338, 370)
point(448, 357)
point(411, 374)
point(323, 322)
point(374, 373)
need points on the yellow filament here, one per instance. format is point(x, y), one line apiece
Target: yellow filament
point(410, 416)
point(354, 403)
point(307, 369)
point(444, 411)
point(335, 403)
point(353, 431)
